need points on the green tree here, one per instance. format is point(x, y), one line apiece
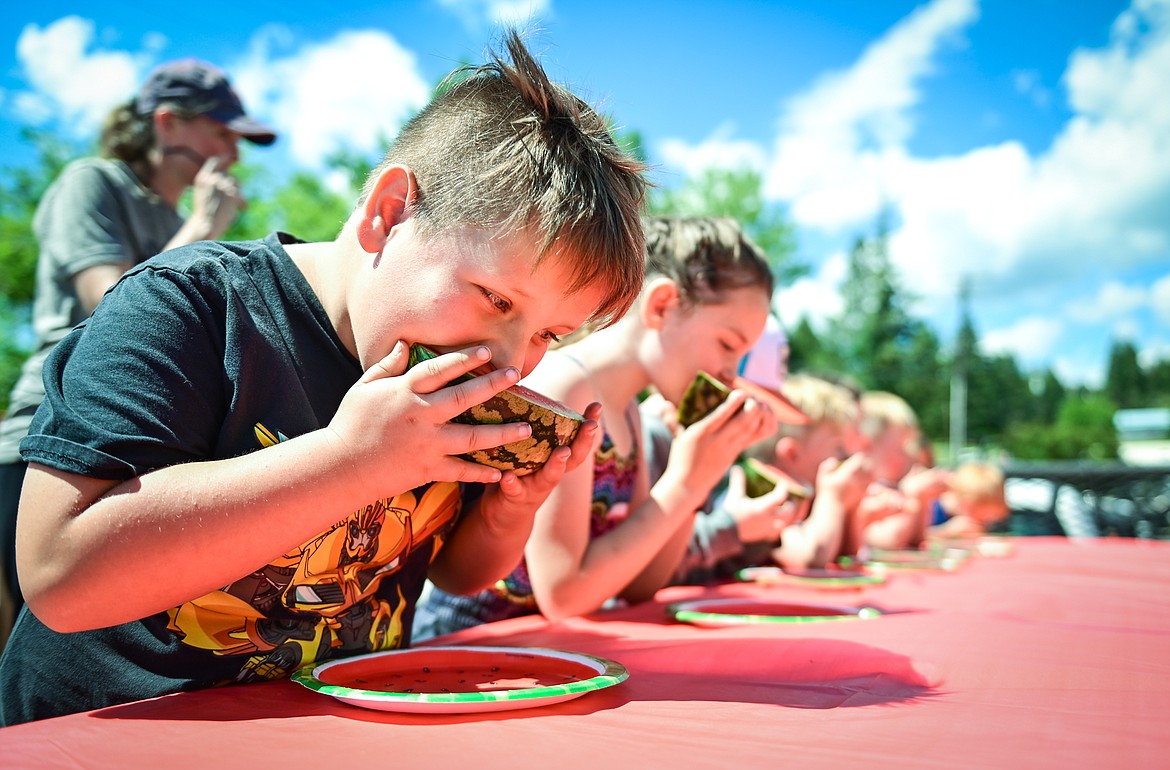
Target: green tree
point(997, 396)
point(738, 194)
point(20, 192)
point(921, 383)
point(804, 349)
point(1083, 431)
point(1049, 397)
point(871, 335)
point(1125, 382)
point(1158, 381)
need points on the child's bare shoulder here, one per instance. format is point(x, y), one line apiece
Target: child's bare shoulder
point(561, 376)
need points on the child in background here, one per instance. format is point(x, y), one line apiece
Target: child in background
point(893, 514)
point(234, 473)
point(973, 501)
point(815, 454)
point(606, 531)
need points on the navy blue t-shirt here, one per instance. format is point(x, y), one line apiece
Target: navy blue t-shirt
point(212, 351)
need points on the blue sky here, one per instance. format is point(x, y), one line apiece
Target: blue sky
point(1025, 145)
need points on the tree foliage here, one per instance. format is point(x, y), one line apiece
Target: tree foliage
point(21, 189)
point(736, 193)
point(1125, 382)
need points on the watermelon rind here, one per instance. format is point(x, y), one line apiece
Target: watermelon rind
point(762, 478)
point(700, 399)
point(553, 423)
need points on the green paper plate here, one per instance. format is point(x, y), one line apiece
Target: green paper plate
point(461, 679)
point(711, 613)
point(821, 579)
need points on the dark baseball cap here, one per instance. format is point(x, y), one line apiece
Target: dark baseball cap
point(203, 88)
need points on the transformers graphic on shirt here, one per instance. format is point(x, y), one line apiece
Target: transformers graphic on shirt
point(338, 594)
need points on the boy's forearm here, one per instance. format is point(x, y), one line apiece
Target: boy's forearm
point(479, 552)
point(174, 534)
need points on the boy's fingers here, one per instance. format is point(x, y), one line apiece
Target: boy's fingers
point(432, 374)
point(393, 365)
point(458, 439)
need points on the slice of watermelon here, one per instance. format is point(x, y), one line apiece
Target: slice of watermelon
point(553, 423)
point(763, 478)
point(700, 399)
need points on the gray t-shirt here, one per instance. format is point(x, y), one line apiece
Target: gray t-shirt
point(95, 213)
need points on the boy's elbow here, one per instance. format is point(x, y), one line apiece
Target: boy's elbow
point(55, 614)
point(54, 603)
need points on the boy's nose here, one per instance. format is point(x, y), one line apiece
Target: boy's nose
point(504, 356)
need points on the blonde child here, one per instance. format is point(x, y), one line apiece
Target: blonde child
point(606, 531)
point(234, 473)
point(816, 454)
point(894, 511)
point(974, 500)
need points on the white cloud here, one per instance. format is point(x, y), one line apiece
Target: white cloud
point(351, 91)
point(816, 297)
point(1160, 299)
point(1030, 339)
point(1113, 301)
point(836, 135)
point(1025, 225)
point(1154, 351)
point(1086, 371)
point(69, 81)
point(719, 150)
point(515, 12)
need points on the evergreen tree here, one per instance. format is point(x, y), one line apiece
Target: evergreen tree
point(804, 349)
point(874, 331)
point(1048, 400)
point(1125, 382)
point(1158, 382)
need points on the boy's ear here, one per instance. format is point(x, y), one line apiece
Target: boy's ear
point(661, 296)
point(388, 205)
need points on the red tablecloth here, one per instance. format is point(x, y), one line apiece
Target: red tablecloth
point(1057, 656)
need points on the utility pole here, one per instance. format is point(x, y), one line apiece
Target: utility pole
point(959, 373)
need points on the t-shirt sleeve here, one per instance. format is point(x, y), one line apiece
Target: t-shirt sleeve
point(138, 386)
point(84, 223)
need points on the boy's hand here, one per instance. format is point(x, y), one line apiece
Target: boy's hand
point(757, 519)
point(846, 480)
point(393, 426)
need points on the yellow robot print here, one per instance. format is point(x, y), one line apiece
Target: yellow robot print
point(322, 599)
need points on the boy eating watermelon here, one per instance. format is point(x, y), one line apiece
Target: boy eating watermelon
point(235, 473)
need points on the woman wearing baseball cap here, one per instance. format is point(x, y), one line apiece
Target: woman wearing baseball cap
point(104, 215)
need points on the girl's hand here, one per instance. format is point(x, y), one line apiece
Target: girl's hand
point(702, 453)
